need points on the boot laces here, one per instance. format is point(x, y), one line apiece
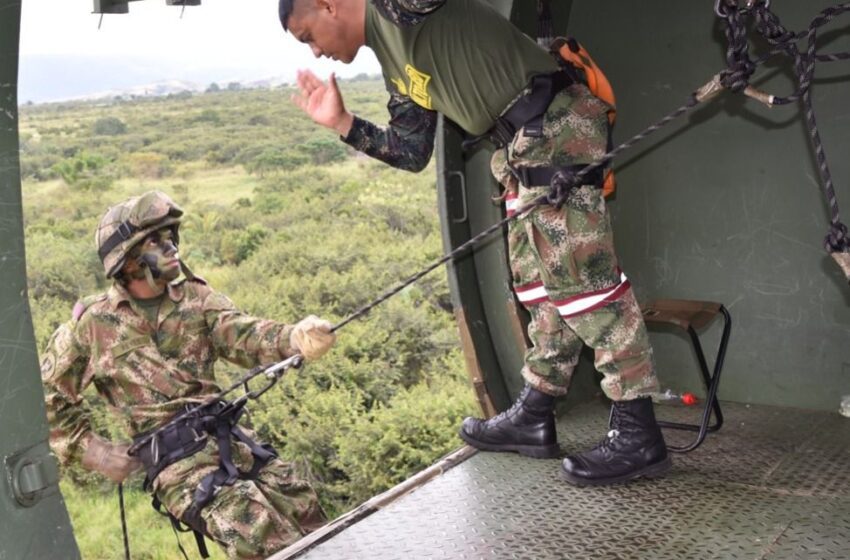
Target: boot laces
point(613, 431)
point(517, 404)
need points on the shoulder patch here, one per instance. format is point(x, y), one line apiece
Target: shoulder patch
point(83, 304)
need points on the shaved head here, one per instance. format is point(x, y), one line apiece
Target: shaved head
point(287, 7)
point(334, 29)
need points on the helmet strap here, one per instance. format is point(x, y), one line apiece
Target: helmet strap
point(187, 272)
point(151, 282)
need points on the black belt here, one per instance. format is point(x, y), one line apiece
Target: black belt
point(542, 176)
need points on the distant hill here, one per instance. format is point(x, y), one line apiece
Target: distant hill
point(61, 78)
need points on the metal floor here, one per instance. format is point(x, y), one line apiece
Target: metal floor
point(772, 483)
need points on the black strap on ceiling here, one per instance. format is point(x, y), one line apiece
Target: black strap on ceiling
point(545, 26)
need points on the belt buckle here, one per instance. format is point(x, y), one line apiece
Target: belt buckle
point(502, 133)
point(198, 437)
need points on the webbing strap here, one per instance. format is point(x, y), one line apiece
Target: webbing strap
point(527, 111)
point(124, 232)
point(184, 440)
point(542, 176)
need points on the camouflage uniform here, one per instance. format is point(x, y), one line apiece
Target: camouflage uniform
point(149, 372)
point(563, 263)
point(564, 267)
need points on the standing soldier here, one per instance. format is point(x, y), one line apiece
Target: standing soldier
point(464, 60)
point(149, 345)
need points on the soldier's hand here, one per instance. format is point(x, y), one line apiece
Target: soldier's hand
point(323, 102)
point(312, 337)
point(110, 459)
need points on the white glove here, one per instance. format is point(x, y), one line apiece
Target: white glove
point(312, 337)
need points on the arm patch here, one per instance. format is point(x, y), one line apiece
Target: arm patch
point(83, 304)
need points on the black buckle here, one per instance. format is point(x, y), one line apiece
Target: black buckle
point(125, 230)
point(502, 132)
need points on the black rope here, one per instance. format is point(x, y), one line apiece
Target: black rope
point(123, 521)
point(783, 41)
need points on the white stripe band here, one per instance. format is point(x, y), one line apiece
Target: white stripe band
point(531, 294)
point(581, 303)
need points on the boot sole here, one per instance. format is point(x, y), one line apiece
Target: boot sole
point(656, 470)
point(535, 451)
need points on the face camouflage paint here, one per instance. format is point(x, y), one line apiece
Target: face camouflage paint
point(158, 253)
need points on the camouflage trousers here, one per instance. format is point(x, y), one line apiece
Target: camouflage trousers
point(251, 519)
point(563, 264)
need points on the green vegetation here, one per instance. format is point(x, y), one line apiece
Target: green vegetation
point(287, 221)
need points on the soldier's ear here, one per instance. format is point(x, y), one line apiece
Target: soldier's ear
point(327, 7)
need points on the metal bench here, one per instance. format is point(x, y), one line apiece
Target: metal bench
point(693, 316)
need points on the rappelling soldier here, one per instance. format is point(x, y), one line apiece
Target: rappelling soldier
point(464, 60)
point(149, 345)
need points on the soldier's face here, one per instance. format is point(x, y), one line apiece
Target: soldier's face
point(158, 252)
point(329, 33)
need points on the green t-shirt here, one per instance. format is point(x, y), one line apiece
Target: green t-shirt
point(464, 60)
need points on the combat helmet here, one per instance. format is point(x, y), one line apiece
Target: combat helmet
point(128, 223)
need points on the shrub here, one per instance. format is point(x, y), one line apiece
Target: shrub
point(109, 126)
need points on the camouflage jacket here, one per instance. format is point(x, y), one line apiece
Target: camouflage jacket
point(147, 372)
point(408, 140)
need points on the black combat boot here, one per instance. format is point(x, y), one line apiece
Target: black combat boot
point(528, 427)
point(634, 447)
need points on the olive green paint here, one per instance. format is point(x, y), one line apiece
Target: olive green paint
point(35, 523)
point(724, 206)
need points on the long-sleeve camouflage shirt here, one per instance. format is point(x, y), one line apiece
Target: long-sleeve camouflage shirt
point(407, 142)
point(147, 372)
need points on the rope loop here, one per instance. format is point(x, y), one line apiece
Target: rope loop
point(837, 240)
point(739, 65)
point(563, 182)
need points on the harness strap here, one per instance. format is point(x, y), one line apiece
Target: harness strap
point(178, 528)
point(527, 111)
point(542, 176)
point(185, 438)
point(124, 232)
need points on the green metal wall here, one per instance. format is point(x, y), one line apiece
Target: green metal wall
point(33, 520)
point(724, 206)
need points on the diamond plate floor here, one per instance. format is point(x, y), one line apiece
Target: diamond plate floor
point(772, 484)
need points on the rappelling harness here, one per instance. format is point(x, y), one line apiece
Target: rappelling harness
point(189, 432)
point(526, 114)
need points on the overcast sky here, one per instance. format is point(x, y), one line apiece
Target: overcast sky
point(220, 39)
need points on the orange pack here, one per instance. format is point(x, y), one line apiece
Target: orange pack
point(573, 53)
